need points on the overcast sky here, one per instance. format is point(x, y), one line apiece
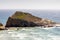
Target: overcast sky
point(30, 4)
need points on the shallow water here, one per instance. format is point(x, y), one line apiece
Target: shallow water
point(35, 33)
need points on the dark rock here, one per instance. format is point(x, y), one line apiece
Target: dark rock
point(1, 24)
point(19, 23)
point(2, 27)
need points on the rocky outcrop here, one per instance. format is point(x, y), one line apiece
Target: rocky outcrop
point(23, 19)
point(1, 24)
point(2, 27)
point(19, 23)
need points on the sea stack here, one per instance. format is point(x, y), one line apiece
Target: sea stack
point(24, 19)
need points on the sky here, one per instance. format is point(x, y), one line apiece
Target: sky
point(30, 4)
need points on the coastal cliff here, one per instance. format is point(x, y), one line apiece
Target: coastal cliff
point(23, 19)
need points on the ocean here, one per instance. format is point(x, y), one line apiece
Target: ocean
point(32, 33)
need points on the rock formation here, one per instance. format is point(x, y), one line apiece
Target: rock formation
point(1, 24)
point(2, 27)
point(23, 19)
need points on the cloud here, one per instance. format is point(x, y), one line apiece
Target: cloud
point(29, 4)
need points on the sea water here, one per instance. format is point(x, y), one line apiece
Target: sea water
point(32, 33)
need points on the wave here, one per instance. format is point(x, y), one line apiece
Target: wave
point(35, 33)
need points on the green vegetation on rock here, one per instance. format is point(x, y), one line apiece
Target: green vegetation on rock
point(20, 15)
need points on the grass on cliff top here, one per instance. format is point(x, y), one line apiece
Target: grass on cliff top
point(20, 15)
point(25, 16)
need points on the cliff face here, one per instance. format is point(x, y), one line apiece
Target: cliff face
point(22, 19)
point(19, 23)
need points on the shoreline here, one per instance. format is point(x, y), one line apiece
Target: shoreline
point(16, 28)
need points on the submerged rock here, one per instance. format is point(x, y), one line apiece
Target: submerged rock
point(23, 19)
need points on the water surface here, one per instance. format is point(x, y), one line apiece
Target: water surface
point(35, 33)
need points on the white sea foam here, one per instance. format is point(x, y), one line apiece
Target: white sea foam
point(48, 28)
point(35, 33)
